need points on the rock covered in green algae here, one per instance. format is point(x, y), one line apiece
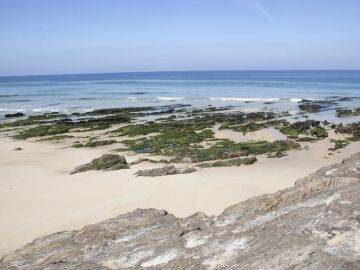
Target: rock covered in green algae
point(308, 127)
point(166, 170)
point(348, 112)
point(106, 162)
point(339, 144)
point(308, 107)
point(43, 130)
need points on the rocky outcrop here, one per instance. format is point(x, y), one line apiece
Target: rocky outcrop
point(166, 170)
point(313, 225)
point(106, 162)
point(13, 115)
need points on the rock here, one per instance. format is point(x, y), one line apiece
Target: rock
point(186, 160)
point(18, 149)
point(18, 114)
point(139, 160)
point(229, 163)
point(187, 170)
point(236, 154)
point(314, 225)
point(347, 129)
point(106, 162)
point(167, 170)
point(310, 107)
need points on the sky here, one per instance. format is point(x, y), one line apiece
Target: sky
point(95, 36)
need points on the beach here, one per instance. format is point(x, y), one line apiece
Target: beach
point(39, 197)
point(171, 142)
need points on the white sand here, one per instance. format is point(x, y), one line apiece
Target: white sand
point(38, 196)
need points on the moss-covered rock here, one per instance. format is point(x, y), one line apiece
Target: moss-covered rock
point(308, 107)
point(348, 112)
point(105, 162)
point(308, 127)
point(339, 144)
point(43, 130)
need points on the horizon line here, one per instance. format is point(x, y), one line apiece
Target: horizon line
point(170, 71)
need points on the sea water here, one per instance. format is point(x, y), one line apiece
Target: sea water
point(247, 90)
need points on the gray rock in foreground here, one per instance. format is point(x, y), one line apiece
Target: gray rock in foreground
point(313, 225)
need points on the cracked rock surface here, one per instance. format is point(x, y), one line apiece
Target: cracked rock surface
point(313, 225)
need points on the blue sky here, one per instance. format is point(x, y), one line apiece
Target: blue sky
point(78, 36)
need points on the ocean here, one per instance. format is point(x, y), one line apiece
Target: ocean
point(247, 90)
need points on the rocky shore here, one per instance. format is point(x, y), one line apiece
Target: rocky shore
point(183, 134)
point(313, 225)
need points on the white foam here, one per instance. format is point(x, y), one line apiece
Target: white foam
point(296, 100)
point(132, 98)
point(170, 98)
point(12, 110)
point(244, 99)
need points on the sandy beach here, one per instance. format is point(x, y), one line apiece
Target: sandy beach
point(39, 197)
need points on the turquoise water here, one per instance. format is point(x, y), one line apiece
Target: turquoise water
point(248, 90)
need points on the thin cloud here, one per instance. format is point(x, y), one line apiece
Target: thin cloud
point(259, 7)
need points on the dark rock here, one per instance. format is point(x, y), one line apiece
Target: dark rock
point(18, 114)
point(106, 162)
point(18, 149)
point(314, 225)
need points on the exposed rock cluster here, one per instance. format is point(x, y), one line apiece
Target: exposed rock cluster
point(313, 225)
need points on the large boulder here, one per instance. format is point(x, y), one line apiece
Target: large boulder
point(106, 162)
point(314, 225)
